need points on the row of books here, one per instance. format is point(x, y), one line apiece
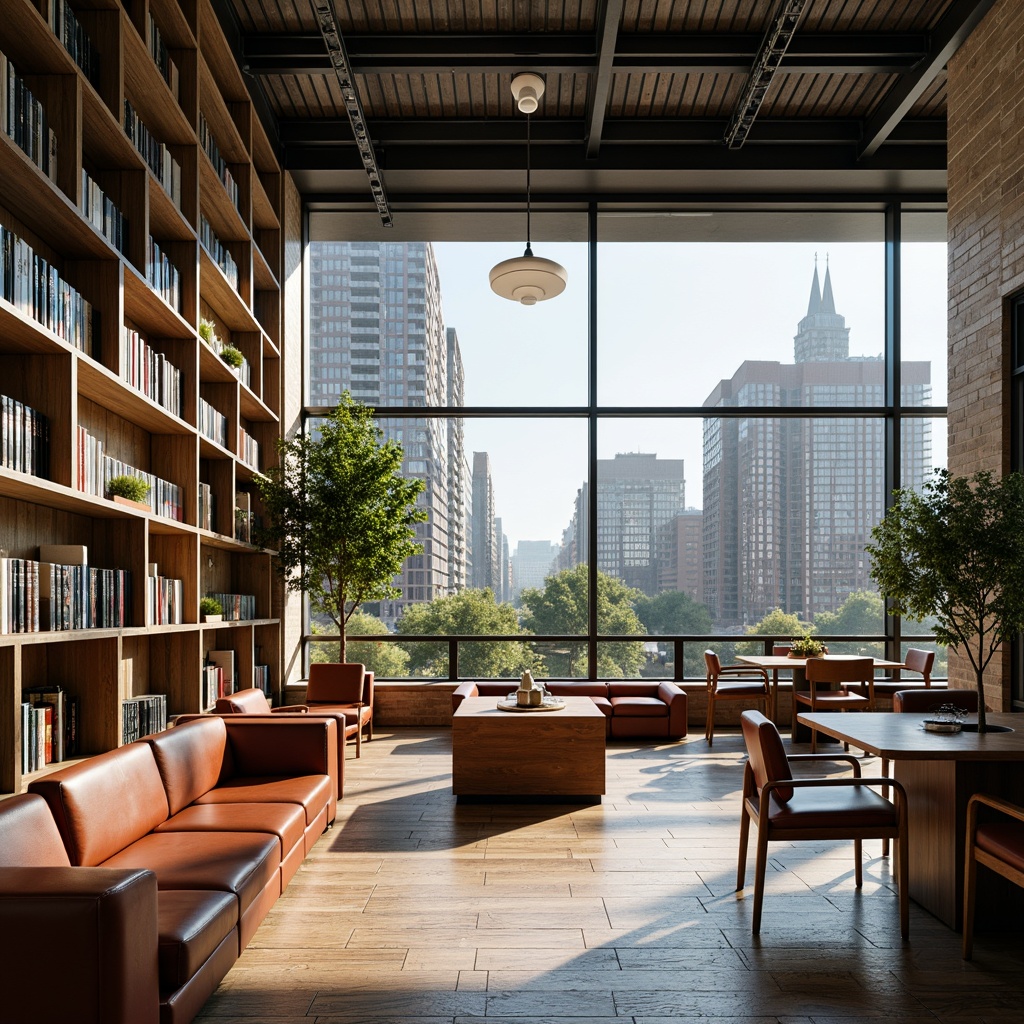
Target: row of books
point(165, 600)
point(96, 469)
point(218, 251)
point(213, 424)
point(143, 716)
point(163, 275)
point(207, 507)
point(162, 58)
point(24, 438)
point(49, 726)
point(151, 372)
point(35, 287)
point(50, 594)
point(212, 150)
point(261, 679)
point(102, 214)
point(158, 157)
point(248, 449)
point(218, 676)
point(237, 607)
point(23, 118)
point(61, 19)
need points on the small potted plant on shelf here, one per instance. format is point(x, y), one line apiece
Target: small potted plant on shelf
point(232, 356)
point(129, 490)
point(807, 647)
point(208, 332)
point(211, 609)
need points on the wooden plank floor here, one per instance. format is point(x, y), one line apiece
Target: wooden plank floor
point(415, 910)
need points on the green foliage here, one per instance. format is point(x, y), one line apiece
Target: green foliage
point(384, 658)
point(207, 330)
point(956, 552)
point(807, 647)
point(561, 608)
point(465, 614)
point(861, 613)
point(232, 356)
point(210, 606)
point(775, 623)
point(339, 514)
point(672, 612)
point(126, 486)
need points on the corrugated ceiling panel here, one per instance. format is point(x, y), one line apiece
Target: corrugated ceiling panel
point(825, 95)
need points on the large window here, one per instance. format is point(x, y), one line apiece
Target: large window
point(709, 431)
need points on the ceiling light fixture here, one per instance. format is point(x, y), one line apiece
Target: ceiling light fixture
point(528, 279)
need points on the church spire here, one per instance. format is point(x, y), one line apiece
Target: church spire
point(828, 303)
point(814, 303)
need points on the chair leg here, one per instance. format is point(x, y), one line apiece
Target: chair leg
point(709, 724)
point(885, 793)
point(903, 880)
point(814, 741)
point(359, 741)
point(741, 867)
point(858, 866)
point(970, 883)
point(759, 871)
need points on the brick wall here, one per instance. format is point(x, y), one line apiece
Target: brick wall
point(986, 256)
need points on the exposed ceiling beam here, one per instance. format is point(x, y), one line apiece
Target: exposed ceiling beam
point(863, 53)
point(600, 85)
point(766, 63)
point(956, 25)
point(324, 11)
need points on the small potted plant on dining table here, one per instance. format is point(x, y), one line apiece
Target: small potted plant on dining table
point(807, 647)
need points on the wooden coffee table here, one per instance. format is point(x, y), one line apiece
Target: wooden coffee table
point(528, 755)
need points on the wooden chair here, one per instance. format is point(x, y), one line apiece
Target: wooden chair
point(832, 671)
point(997, 844)
point(733, 682)
point(345, 687)
point(917, 660)
point(789, 809)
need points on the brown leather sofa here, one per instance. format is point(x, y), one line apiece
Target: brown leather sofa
point(144, 872)
point(632, 708)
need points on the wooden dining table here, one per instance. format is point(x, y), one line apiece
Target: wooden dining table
point(775, 663)
point(940, 773)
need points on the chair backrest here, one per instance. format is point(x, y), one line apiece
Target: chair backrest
point(767, 755)
point(917, 660)
point(244, 702)
point(920, 701)
point(713, 663)
point(838, 669)
point(781, 650)
point(335, 683)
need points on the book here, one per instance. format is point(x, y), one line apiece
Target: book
point(53, 697)
point(225, 661)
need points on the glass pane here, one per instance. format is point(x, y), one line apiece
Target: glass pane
point(921, 639)
point(624, 660)
point(732, 324)
point(924, 304)
point(923, 449)
point(559, 660)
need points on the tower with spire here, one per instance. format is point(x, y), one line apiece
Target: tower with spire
point(822, 335)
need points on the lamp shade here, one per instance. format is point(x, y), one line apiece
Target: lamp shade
point(528, 279)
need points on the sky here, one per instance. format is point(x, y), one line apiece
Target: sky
point(673, 320)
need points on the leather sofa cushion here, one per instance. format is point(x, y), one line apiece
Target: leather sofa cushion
point(639, 707)
point(578, 689)
point(1004, 840)
point(633, 689)
point(190, 758)
point(28, 834)
point(238, 862)
point(844, 807)
point(286, 821)
point(106, 803)
point(311, 791)
point(244, 702)
point(191, 924)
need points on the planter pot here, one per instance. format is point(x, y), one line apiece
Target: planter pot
point(141, 506)
point(212, 618)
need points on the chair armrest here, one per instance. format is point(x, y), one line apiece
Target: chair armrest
point(94, 927)
point(845, 758)
point(995, 802)
point(675, 697)
point(846, 780)
point(461, 692)
point(744, 670)
point(290, 709)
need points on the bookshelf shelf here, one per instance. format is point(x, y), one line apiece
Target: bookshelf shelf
point(100, 410)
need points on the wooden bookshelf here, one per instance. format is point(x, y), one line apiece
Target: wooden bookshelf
point(90, 388)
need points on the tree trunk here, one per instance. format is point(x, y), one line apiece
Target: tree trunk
point(341, 645)
point(982, 725)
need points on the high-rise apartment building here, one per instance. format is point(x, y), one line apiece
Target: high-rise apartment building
point(790, 503)
point(459, 492)
point(680, 554)
point(376, 330)
point(486, 542)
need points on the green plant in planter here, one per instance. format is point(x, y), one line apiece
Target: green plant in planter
point(955, 554)
point(207, 331)
point(232, 356)
point(210, 606)
point(130, 487)
point(807, 647)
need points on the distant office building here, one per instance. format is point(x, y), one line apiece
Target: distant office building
point(637, 494)
point(485, 539)
point(532, 562)
point(680, 554)
point(376, 330)
point(459, 488)
point(505, 564)
point(789, 503)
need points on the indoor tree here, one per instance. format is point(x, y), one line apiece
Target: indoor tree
point(956, 553)
point(339, 514)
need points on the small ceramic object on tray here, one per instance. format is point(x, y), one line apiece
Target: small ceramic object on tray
point(941, 725)
point(550, 704)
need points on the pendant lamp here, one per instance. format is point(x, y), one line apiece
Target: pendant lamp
point(528, 279)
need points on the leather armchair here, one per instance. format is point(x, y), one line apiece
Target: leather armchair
point(346, 688)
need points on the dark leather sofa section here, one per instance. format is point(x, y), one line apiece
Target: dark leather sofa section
point(142, 873)
point(631, 707)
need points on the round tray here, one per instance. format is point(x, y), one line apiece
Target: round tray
point(938, 725)
point(548, 705)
